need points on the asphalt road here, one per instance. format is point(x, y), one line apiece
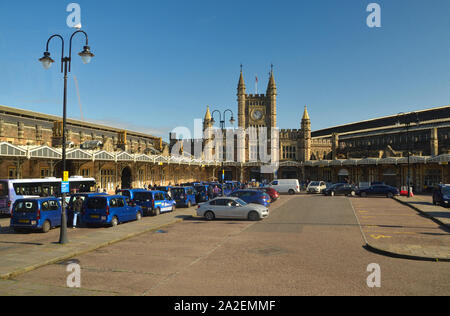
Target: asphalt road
point(309, 245)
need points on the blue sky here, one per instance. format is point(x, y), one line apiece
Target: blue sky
point(159, 64)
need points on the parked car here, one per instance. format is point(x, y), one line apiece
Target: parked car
point(184, 196)
point(36, 214)
point(154, 202)
point(252, 196)
point(341, 189)
point(232, 207)
point(290, 186)
point(110, 210)
point(316, 187)
point(441, 195)
point(379, 190)
point(274, 195)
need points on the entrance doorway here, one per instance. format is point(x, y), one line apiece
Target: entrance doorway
point(126, 178)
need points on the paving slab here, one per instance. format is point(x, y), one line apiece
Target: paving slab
point(424, 205)
point(396, 229)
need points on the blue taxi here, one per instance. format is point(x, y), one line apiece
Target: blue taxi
point(184, 196)
point(36, 214)
point(154, 202)
point(109, 210)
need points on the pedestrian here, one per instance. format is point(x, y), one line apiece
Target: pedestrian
point(77, 206)
point(169, 193)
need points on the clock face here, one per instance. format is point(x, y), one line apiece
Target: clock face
point(257, 115)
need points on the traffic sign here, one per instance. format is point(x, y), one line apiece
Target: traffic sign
point(66, 176)
point(65, 187)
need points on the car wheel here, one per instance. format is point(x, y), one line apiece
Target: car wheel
point(210, 216)
point(114, 221)
point(253, 216)
point(157, 211)
point(46, 227)
point(390, 195)
point(353, 193)
point(291, 192)
point(138, 216)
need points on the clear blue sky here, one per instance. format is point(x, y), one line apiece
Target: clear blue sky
point(159, 64)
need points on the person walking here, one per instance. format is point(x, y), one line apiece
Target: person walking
point(77, 206)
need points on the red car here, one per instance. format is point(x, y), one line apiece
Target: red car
point(274, 195)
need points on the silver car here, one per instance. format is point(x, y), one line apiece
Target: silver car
point(232, 207)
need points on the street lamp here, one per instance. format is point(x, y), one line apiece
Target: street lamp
point(47, 61)
point(222, 116)
point(407, 119)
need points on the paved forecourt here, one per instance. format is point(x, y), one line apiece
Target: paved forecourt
point(399, 230)
point(309, 245)
point(20, 253)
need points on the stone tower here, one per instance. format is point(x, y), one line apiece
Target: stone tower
point(305, 141)
point(257, 111)
point(207, 135)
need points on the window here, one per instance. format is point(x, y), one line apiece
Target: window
point(45, 172)
point(25, 207)
point(86, 173)
point(96, 203)
point(53, 205)
point(120, 202)
point(12, 173)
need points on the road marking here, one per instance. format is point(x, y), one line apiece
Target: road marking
point(379, 236)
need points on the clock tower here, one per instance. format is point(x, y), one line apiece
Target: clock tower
point(257, 110)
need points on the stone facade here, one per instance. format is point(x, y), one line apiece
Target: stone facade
point(31, 144)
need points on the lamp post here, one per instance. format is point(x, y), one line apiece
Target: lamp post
point(407, 119)
point(222, 116)
point(66, 62)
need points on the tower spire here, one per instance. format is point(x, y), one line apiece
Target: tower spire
point(305, 114)
point(241, 85)
point(271, 87)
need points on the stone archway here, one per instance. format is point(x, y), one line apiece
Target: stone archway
point(127, 178)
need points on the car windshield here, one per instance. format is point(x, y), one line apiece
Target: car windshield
point(243, 203)
point(314, 183)
point(446, 190)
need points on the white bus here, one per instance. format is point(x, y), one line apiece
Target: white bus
point(13, 189)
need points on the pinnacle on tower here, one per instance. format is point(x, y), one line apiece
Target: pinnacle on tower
point(305, 114)
point(241, 85)
point(207, 115)
point(271, 87)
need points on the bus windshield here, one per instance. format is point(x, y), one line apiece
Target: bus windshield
point(3, 188)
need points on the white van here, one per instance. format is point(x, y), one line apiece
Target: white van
point(316, 187)
point(290, 186)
